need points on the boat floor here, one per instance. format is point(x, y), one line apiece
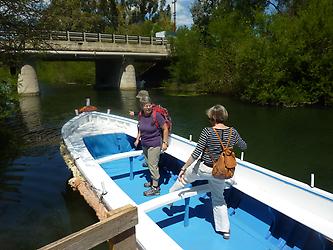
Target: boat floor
point(247, 232)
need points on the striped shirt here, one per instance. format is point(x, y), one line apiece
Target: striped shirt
point(208, 139)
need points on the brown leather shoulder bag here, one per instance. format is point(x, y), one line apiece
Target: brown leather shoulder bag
point(224, 167)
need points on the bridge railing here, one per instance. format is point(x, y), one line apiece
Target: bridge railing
point(109, 38)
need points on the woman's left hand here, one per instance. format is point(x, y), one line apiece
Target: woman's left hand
point(181, 176)
point(164, 146)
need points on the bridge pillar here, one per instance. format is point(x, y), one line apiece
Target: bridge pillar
point(128, 79)
point(27, 83)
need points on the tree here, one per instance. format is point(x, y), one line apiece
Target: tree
point(202, 11)
point(109, 13)
point(281, 57)
point(72, 15)
point(21, 24)
point(186, 58)
point(144, 17)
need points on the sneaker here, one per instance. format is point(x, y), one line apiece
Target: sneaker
point(152, 191)
point(147, 184)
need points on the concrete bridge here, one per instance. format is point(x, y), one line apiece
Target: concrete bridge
point(113, 55)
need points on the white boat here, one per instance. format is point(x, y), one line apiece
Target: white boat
point(266, 210)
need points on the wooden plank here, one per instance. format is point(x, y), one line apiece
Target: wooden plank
point(120, 222)
point(125, 240)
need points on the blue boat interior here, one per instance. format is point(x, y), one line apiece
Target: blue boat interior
point(190, 222)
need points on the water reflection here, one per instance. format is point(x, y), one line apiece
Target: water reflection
point(31, 112)
point(129, 100)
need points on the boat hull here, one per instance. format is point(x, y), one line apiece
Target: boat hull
point(267, 210)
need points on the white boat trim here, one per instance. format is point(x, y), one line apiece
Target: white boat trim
point(119, 156)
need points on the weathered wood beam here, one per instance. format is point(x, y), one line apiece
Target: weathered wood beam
point(120, 226)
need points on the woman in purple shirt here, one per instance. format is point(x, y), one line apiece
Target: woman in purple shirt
point(154, 138)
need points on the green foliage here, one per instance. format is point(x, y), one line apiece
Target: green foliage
point(109, 16)
point(185, 49)
point(144, 17)
point(295, 62)
point(20, 24)
point(8, 94)
point(66, 72)
point(280, 58)
point(202, 11)
point(147, 28)
point(224, 35)
point(77, 15)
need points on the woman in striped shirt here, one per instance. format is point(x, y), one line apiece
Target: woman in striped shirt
point(199, 165)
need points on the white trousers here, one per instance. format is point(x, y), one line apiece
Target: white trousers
point(199, 171)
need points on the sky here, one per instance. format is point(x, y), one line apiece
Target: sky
point(183, 14)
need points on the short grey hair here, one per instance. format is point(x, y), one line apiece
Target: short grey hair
point(144, 100)
point(217, 113)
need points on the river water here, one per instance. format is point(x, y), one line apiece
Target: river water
point(36, 204)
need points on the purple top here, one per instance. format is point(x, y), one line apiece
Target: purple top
point(151, 136)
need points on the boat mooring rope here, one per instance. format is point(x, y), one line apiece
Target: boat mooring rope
point(79, 183)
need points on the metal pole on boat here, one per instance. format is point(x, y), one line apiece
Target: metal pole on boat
point(87, 101)
point(187, 212)
point(131, 168)
point(242, 156)
point(108, 111)
point(190, 138)
point(103, 188)
point(312, 180)
point(76, 112)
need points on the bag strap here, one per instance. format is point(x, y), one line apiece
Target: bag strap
point(207, 151)
point(223, 148)
point(155, 119)
point(229, 137)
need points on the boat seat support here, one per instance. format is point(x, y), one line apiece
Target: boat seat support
point(187, 212)
point(131, 168)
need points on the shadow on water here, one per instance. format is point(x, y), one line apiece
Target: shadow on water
point(36, 205)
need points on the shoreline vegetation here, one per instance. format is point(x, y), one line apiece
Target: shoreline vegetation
point(281, 56)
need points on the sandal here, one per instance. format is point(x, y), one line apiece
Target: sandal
point(226, 235)
point(152, 191)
